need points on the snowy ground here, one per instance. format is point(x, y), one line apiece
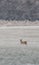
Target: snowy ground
point(8, 35)
point(12, 52)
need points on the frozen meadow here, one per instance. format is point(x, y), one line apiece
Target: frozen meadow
point(11, 50)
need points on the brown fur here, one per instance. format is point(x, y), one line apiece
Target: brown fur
point(23, 42)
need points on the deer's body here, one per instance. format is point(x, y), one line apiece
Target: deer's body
point(23, 42)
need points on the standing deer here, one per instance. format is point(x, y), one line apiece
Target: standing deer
point(23, 42)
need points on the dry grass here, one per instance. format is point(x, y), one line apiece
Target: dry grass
point(18, 23)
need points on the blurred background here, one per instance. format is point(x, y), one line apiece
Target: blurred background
point(19, 10)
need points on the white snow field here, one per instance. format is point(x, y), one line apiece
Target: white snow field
point(12, 52)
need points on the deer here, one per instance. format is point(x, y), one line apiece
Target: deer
point(23, 42)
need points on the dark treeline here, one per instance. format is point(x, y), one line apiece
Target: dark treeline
point(19, 10)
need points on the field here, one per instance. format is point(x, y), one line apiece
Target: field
point(11, 50)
